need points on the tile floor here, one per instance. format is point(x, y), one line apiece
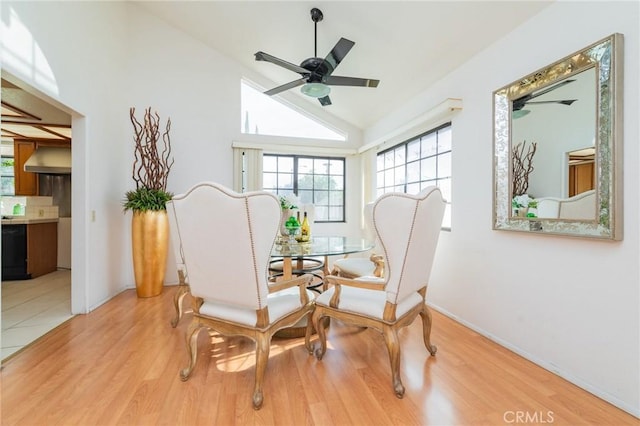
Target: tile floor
point(31, 308)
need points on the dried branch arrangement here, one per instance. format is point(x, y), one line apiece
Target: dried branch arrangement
point(521, 162)
point(151, 165)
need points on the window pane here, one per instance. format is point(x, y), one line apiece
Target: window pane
point(285, 181)
point(305, 197)
point(7, 186)
point(267, 116)
point(305, 182)
point(444, 139)
point(413, 172)
point(337, 182)
point(321, 198)
point(380, 163)
point(336, 198)
point(305, 165)
point(321, 166)
point(320, 182)
point(270, 180)
point(428, 168)
point(388, 177)
point(413, 188)
point(445, 187)
point(413, 150)
point(388, 159)
point(399, 155)
point(335, 213)
point(446, 220)
point(380, 179)
point(285, 164)
point(444, 165)
point(336, 167)
point(399, 176)
point(269, 163)
point(429, 144)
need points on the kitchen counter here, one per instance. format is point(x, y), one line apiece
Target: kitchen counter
point(23, 221)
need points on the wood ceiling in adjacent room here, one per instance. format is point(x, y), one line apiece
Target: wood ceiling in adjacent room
point(25, 116)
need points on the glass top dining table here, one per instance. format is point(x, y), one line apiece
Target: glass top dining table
point(318, 246)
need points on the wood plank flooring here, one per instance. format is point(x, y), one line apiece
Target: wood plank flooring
point(119, 366)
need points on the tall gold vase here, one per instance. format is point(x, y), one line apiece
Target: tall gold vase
point(150, 238)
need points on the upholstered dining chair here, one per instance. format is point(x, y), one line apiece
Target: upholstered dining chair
point(408, 227)
point(358, 266)
point(225, 240)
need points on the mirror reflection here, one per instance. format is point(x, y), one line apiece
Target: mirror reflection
point(557, 146)
point(560, 122)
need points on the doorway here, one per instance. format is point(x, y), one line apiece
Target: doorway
point(32, 307)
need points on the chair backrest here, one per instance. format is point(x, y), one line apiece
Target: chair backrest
point(223, 241)
point(408, 227)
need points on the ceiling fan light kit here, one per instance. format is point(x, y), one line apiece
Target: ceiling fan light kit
point(317, 72)
point(315, 90)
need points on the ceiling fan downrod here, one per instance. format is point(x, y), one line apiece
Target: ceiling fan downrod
point(316, 16)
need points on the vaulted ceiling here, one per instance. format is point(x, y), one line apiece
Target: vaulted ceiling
point(407, 45)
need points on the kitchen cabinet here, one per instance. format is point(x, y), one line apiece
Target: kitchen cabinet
point(39, 238)
point(26, 183)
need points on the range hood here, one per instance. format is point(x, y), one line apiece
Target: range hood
point(52, 160)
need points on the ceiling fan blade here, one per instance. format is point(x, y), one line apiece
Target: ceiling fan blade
point(290, 85)
point(337, 54)
point(335, 80)
point(325, 101)
point(261, 56)
point(549, 89)
point(562, 102)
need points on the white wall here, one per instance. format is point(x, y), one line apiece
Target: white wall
point(100, 58)
point(571, 305)
point(71, 54)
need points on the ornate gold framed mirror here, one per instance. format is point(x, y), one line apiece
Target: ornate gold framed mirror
point(557, 147)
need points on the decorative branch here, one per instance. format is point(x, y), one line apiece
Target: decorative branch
point(522, 167)
point(151, 165)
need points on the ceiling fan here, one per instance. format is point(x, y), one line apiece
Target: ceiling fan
point(518, 104)
point(317, 73)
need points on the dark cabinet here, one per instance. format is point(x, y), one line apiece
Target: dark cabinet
point(14, 252)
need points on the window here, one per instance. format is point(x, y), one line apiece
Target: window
point(7, 181)
point(264, 115)
point(315, 180)
point(417, 163)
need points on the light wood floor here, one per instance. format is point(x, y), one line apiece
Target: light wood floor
point(119, 365)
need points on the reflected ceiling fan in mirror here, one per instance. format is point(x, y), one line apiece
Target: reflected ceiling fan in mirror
point(518, 104)
point(317, 73)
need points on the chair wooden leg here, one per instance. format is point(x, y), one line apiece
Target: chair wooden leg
point(393, 346)
point(425, 314)
point(263, 345)
point(178, 298)
point(322, 335)
point(192, 348)
point(308, 333)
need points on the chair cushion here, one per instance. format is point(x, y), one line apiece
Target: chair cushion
point(367, 302)
point(355, 266)
point(280, 304)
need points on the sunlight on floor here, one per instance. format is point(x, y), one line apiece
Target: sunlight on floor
point(31, 308)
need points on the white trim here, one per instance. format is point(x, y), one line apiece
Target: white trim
point(542, 363)
point(420, 124)
point(283, 148)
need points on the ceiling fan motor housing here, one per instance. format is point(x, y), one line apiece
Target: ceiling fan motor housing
point(318, 68)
